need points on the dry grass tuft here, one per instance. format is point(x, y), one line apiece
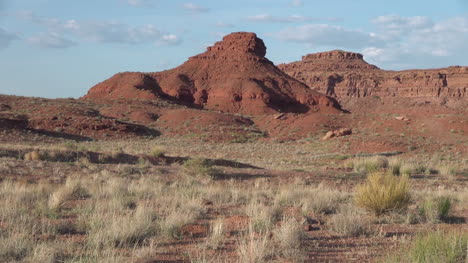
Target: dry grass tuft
point(263, 216)
point(158, 152)
point(383, 193)
point(200, 167)
point(367, 165)
point(216, 236)
point(255, 247)
point(33, 156)
point(73, 189)
point(290, 238)
point(350, 222)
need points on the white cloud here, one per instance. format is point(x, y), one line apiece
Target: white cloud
point(396, 42)
point(394, 27)
point(373, 52)
point(223, 24)
point(420, 39)
point(279, 19)
point(96, 31)
point(170, 39)
point(398, 22)
point(140, 3)
point(297, 3)
point(50, 40)
point(195, 8)
point(114, 32)
point(6, 38)
point(327, 35)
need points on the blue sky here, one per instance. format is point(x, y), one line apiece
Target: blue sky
point(60, 48)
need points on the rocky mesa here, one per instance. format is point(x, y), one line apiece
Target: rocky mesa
point(232, 76)
point(342, 74)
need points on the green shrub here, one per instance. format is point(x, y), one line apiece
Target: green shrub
point(383, 193)
point(435, 247)
point(436, 209)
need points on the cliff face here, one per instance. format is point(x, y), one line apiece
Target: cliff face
point(231, 76)
point(346, 74)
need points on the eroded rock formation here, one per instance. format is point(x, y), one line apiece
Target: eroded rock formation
point(231, 76)
point(345, 74)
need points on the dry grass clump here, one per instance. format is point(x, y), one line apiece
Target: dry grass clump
point(322, 200)
point(413, 168)
point(158, 152)
point(394, 166)
point(350, 222)
point(171, 226)
point(226, 195)
point(448, 170)
point(15, 247)
point(255, 247)
point(200, 167)
point(367, 165)
point(33, 156)
point(263, 216)
point(383, 193)
point(290, 238)
point(73, 189)
point(121, 230)
point(216, 235)
point(48, 253)
point(435, 209)
point(319, 199)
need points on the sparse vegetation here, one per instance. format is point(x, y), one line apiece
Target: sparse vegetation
point(350, 222)
point(322, 200)
point(368, 165)
point(255, 247)
point(158, 152)
point(101, 211)
point(436, 209)
point(262, 216)
point(216, 235)
point(437, 246)
point(200, 167)
point(290, 237)
point(32, 156)
point(447, 170)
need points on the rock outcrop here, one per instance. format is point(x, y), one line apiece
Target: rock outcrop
point(231, 76)
point(345, 74)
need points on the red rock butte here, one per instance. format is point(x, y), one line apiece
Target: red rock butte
point(344, 74)
point(231, 76)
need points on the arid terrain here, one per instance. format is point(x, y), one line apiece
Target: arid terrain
point(230, 158)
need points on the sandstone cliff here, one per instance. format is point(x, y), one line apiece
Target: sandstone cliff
point(345, 74)
point(231, 76)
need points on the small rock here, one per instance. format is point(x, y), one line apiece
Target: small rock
point(401, 118)
point(337, 133)
point(279, 116)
